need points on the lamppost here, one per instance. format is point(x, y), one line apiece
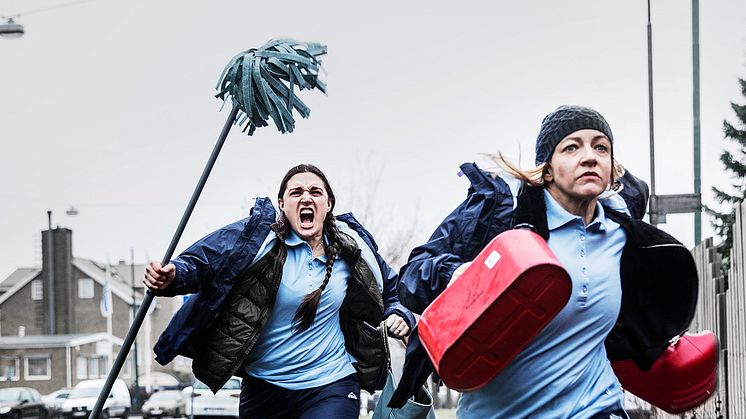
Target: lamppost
point(134, 313)
point(661, 205)
point(191, 397)
point(11, 29)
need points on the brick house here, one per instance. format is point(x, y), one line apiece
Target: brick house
point(50, 344)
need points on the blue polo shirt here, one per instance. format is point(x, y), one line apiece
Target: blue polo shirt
point(564, 371)
point(316, 356)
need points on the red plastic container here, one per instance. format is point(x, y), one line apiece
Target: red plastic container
point(683, 377)
point(513, 288)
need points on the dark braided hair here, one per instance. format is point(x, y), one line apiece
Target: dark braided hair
point(306, 312)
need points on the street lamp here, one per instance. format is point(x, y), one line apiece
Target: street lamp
point(11, 29)
point(660, 205)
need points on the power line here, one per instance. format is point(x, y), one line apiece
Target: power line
point(44, 9)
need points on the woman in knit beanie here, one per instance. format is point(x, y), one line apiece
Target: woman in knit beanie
point(588, 210)
point(557, 125)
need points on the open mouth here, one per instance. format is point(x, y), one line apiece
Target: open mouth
point(306, 217)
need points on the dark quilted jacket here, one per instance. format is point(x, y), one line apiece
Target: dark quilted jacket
point(219, 325)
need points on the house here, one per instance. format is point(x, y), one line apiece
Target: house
point(49, 343)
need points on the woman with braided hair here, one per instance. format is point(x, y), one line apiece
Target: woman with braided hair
point(286, 302)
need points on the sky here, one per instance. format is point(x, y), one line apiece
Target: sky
point(108, 106)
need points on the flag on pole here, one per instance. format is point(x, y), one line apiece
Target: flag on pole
point(106, 294)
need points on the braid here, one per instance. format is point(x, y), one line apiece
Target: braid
point(306, 313)
point(331, 250)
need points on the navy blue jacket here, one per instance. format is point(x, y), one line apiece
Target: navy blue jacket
point(658, 274)
point(209, 267)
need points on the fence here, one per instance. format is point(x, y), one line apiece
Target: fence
point(732, 334)
point(721, 309)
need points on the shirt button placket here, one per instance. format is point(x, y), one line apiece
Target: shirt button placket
point(583, 269)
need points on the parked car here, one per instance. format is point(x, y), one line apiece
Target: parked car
point(202, 402)
point(84, 395)
point(164, 403)
point(54, 401)
point(21, 402)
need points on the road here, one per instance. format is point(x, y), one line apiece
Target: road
point(439, 413)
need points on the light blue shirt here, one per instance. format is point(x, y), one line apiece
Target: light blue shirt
point(317, 356)
point(564, 372)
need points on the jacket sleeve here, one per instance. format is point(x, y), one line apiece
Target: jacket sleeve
point(431, 265)
point(635, 194)
point(486, 212)
point(199, 263)
point(221, 254)
point(391, 302)
point(390, 279)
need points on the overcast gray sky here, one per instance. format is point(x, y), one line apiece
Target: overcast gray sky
point(108, 106)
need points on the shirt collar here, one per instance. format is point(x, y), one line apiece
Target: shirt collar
point(292, 239)
point(558, 216)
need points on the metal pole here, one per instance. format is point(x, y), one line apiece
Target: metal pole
point(50, 277)
point(724, 349)
point(148, 299)
point(695, 112)
point(134, 308)
point(653, 206)
point(191, 395)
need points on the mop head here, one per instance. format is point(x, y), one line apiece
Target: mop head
point(261, 82)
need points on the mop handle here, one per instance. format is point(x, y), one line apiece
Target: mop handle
point(148, 299)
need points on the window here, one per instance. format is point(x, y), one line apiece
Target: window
point(103, 366)
point(37, 290)
point(85, 288)
point(27, 395)
point(92, 367)
point(97, 366)
point(81, 369)
point(37, 367)
point(127, 368)
point(9, 368)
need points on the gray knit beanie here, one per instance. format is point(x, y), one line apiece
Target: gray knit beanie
point(564, 121)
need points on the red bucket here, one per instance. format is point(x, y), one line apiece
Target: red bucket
point(474, 328)
point(683, 377)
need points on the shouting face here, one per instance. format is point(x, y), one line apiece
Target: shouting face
point(305, 203)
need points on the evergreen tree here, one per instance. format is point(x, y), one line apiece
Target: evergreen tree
point(735, 163)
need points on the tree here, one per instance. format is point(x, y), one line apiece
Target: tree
point(734, 162)
point(394, 225)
